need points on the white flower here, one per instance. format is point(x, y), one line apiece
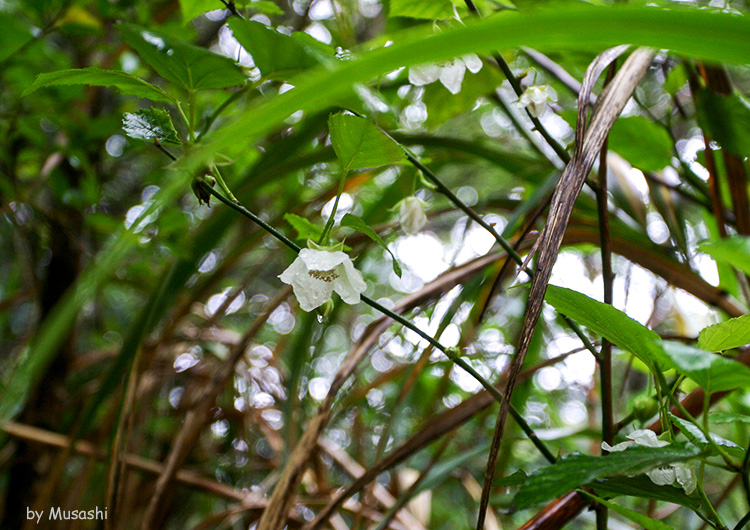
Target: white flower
point(662, 475)
point(411, 215)
point(315, 274)
point(535, 99)
point(450, 73)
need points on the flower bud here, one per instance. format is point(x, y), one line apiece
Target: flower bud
point(411, 215)
point(644, 408)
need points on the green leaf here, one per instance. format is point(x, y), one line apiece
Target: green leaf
point(265, 6)
point(150, 124)
point(305, 229)
point(641, 142)
point(733, 250)
point(425, 9)
point(609, 322)
point(641, 519)
point(186, 65)
point(359, 144)
point(712, 372)
point(193, 8)
point(125, 83)
point(576, 470)
point(641, 486)
point(13, 36)
point(726, 119)
point(693, 433)
point(357, 223)
point(561, 26)
point(278, 56)
point(518, 478)
point(726, 335)
point(727, 417)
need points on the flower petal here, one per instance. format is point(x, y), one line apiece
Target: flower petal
point(616, 448)
point(662, 476)
point(646, 438)
point(309, 291)
point(322, 260)
point(472, 62)
point(424, 74)
point(685, 477)
point(452, 75)
point(349, 283)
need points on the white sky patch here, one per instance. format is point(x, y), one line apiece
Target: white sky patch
point(423, 254)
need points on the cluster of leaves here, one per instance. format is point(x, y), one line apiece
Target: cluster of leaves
point(156, 329)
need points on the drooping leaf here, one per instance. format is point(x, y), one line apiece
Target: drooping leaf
point(424, 9)
point(608, 322)
point(733, 250)
point(125, 83)
point(642, 486)
point(697, 438)
point(358, 223)
point(149, 124)
point(305, 229)
point(359, 144)
point(641, 142)
point(186, 65)
point(576, 470)
point(278, 56)
point(641, 519)
point(725, 335)
point(726, 118)
point(713, 372)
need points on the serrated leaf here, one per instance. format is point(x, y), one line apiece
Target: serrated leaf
point(423, 9)
point(186, 65)
point(733, 250)
point(693, 433)
point(358, 223)
point(643, 520)
point(726, 335)
point(125, 83)
point(712, 372)
point(641, 486)
point(305, 229)
point(516, 479)
point(641, 142)
point(150, 124)
point(727, 417)
point(608, 322)
point(359, 144)
point(576, 470)
point(278, 56)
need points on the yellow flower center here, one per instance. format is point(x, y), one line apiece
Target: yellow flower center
point(326, 276)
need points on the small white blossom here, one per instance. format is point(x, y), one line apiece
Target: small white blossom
point(411, 215)
point(451, 73)
point(662, 475)
point(535, 99)
point(315, 274)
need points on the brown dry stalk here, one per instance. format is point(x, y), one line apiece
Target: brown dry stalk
point(197, 417)
point(588, 145)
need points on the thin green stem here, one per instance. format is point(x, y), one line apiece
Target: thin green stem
point(324, 237)
point(451, 353)
point(222, 184)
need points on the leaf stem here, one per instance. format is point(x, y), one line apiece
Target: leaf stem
point(325, 236)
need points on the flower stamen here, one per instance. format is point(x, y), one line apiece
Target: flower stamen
point(326, 276)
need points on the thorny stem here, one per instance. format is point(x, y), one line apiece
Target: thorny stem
point(451, 353)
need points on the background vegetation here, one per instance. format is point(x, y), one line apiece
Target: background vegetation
point(154, 364)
